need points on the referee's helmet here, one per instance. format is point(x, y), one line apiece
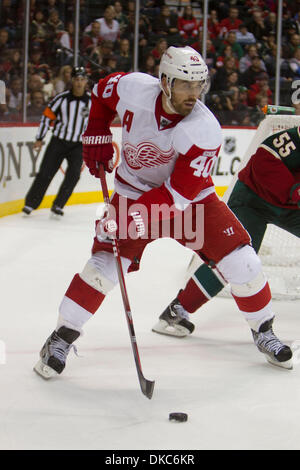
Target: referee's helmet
point(78, 72)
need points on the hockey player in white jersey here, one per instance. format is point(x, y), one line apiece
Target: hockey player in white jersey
point(170, 142)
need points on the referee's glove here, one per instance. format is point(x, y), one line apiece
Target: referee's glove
point(97, 148)
point(295, 194)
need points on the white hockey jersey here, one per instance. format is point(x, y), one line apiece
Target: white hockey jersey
point(159, 150)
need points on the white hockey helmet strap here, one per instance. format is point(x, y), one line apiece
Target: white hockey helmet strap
point(183, 63)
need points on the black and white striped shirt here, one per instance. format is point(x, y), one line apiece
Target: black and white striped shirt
point(69, 113)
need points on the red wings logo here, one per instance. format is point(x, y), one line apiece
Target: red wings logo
point(195, 58)
point(146, 155)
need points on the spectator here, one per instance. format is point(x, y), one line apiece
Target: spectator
point(144, 31)
point(4, 41)
point(271, 23)
point(14, 95)
point(7, 15)
point(246, 60)
point(219, 80)
point(236, 108)
point(5, 66)
point(54, 25)
point(36, 58)
point(66, 37)
point(257, 26)
point(92, 38)
point(45, 73)
point(213, 25)
point(100, 56)
point(270, 61)
point(64, 80)
point(232, 80)
point(294, 64)
point(268, 44)
point(36, 106)
point(236, 47)
point(149, 65)
point(160, 48)
point(103, 51)
point(218, 107)
point(166, 25)
point(38, 28)
point(35, 83)
point(124, 57)
point(120, 16)
point(16, 63)
point(290, 46)
point(227, 52)
point(253, 5)
point(260, 87)
point(109, 27)
point(231, 23)
point(50, 5)
point(289, 28)
point(110, 64)
point(244, 37)
point(243, 95)
point(249, 77)
point(187, 25)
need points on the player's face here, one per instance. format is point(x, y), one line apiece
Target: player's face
point(185, 95)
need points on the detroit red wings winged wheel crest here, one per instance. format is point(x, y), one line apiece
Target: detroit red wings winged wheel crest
point(147, 155)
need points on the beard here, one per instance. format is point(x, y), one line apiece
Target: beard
point(183, 108)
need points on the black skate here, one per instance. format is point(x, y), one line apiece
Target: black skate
point(275, 351)
point(27, 210)
point(174, 321)
point(57, 210)
point(55, 351)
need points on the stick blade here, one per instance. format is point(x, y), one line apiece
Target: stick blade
point(147, 386)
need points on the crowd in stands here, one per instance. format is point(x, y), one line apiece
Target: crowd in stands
point(241, 49)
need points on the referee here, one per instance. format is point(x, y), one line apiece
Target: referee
point(68, 112)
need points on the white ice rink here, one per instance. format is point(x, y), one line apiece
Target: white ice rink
point(233, 397)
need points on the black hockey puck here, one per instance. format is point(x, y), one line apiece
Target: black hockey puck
point(181, 417)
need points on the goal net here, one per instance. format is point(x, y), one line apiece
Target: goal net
point(280, 251)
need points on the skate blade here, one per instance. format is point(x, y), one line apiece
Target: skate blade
point(284, 365)
point(44, 371)
point(54, 216)
point(163, 328)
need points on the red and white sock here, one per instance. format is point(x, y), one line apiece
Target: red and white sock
point(79, 304)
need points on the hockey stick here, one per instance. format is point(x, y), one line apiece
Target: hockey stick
point(147, 386)
point(60, 49)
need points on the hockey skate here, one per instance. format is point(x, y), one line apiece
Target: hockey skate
point(55, 351)
point(27, 210)
point(275, 351)
point(174, 321)
point(57, 211)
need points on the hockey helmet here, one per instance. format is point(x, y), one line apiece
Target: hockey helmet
point(183, 63)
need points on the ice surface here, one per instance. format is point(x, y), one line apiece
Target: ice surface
point(234, 398)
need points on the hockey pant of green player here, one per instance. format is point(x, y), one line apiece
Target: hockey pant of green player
point(255, 214)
